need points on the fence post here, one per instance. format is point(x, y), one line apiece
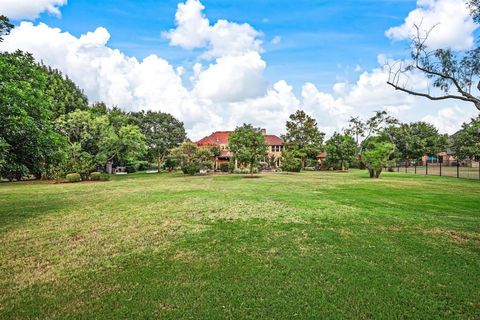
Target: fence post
point(426, 168)
point(440, 169)
point(458, 169)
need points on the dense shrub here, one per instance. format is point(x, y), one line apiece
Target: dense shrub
point(309, 169)
point(231, 165)
point(224, 167)
point(99, 176)
point(141, 165)
point(73, 177)
point(241, 171)
point(291, 164)
point(170, 163)
point(131, 168)
point(191, 168)
point(13, 171)
point(263, 166)
point(312, 163)
point(95, 176)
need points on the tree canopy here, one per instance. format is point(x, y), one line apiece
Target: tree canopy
point(413, 140)
point(303, 138)
point(340, 148)
point(465, 144)
point(162, 132)
point(5, 27)
point(248, 144)
point(29, 140)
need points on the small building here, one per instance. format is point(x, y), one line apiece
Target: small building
point(321, 158)
point(447, 158)
point(275, 146)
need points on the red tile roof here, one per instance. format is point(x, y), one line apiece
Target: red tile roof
point(218, 137)
point(221, 137)
point(273, 140)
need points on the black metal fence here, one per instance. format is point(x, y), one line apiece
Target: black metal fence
point(459, 169)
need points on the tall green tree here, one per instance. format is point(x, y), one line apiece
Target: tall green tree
point(340, 148)
point(416, 139)
point(162, 131)
point(376, 154)
point(465, 144)
point(303, 138)
point(365, 130)
point(65, 95)
point(96, 141)
point(26, 128)
point(5, 27)
point(248, 144)
point(191, 158)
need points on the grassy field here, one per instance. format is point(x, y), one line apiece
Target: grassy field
point(308, 245)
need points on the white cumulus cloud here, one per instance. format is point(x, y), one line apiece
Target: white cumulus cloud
point(451, 21)
point(193, 30)
point(30, 9)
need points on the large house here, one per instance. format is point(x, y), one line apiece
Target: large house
point(220, 138)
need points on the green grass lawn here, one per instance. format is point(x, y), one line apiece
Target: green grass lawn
point(308, 245)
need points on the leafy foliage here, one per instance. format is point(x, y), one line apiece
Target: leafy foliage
point(191, 158)
point(466, 142)
point(162, 132)
point(26, 130)
point(95, 141)
point(248, 144)
point(303, 137)
point(290, 163)
point(340, 148)
point(416, 139)
point(376, 155)
point(73, 177)
point(5, 27)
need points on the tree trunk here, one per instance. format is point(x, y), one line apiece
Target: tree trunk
point(378, 172)
point(343, 166)
point(251, 168)
point(159, 163)
point(371, 172)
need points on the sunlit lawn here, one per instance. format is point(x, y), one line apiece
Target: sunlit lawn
point(309, 245)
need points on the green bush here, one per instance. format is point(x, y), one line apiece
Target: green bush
point(131, 168)
point(73, 177)
point(263, 166)
point(309, 169)
point(13, 171)
point(241, 171)
point(224, 167)
point(99, 176)
point(291, 164)
point(95, 176)
point(231, 165)
point(141, 165)
point(191, 168)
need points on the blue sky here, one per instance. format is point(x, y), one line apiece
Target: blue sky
point(321, 41)
point(217, 64)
